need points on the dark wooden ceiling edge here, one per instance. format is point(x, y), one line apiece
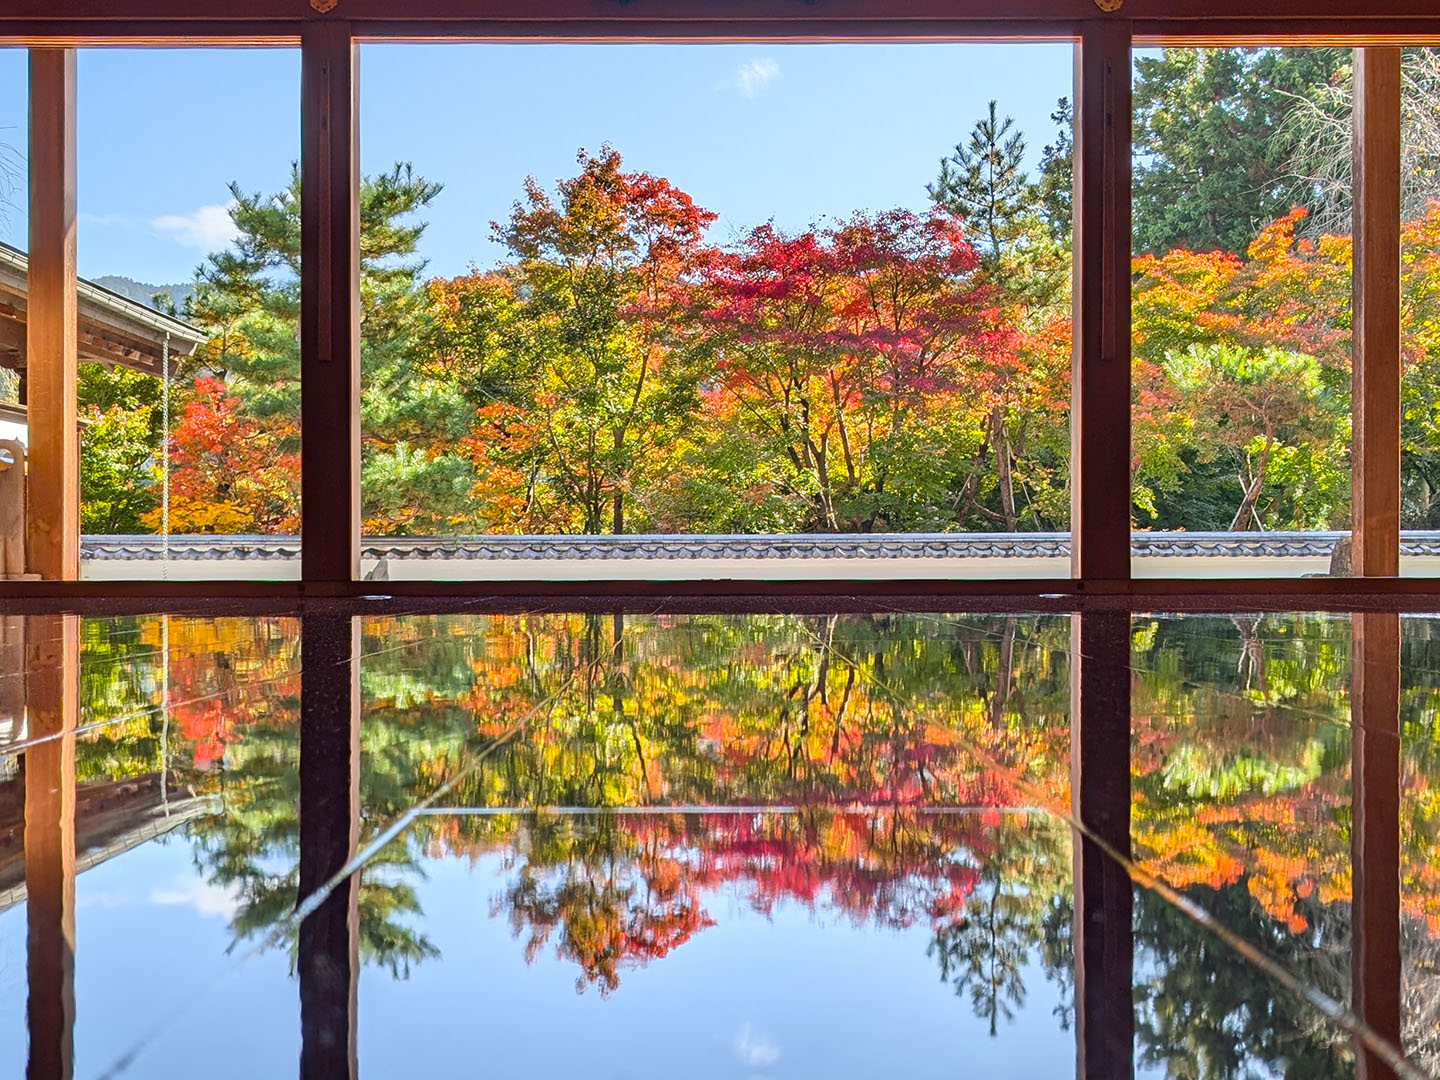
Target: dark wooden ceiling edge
point(204, 27)
point(697, 11)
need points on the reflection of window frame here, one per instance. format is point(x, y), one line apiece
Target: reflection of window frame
point(1100, 463)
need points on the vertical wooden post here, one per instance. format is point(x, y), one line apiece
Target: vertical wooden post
point(1100, 794)
point(1375, 832)
point(52, 699)
point(53, 522)
point(329, 960)
point(1375, 302)
point(329, 306)
point(1100, 350)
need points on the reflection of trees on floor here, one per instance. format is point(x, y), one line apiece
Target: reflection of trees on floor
point(916, 759)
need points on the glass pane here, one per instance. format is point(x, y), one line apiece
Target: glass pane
point(189, 313)
point(1419, 295)
point(1419, 837)
point(602, 341)
point(1240, 305)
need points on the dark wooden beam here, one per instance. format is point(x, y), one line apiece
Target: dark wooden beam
point(1100, 351)
point(1375, 303)
point(1418, 594)
point(742, 11)
point(52, 706)
point(53, 518)
point(1283, 32)
point(329, 961)
point(1100, 796)
point(1375, 834)
point(329, 307)
point(1194, 32)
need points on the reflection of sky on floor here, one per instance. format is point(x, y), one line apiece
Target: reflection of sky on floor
point(795, 994)
point(154, 974)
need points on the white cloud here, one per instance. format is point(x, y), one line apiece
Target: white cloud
point(754, 1050)
point(208, 228)
point(751, 77)
point(206, 899)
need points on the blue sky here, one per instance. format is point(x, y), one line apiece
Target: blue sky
point(794, 993)
point(753, 132)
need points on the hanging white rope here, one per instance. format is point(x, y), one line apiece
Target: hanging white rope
point(165, 458)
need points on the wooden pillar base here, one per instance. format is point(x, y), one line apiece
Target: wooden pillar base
point(1375, 833)
point(329, 960)
point(1104, 894)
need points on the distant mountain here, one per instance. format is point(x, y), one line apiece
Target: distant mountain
point(143, 293)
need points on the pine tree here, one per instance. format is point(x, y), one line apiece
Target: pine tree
point(984, 184)
point(248, 298)
point(1057, 173)
point(1021, 243)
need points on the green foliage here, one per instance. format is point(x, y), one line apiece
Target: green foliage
point(598, 379)
point(1420, 443)
point(119, 448)
point(248, 298)
point(1273, 416)
point(595, 403)
point(1203, 1013)
point(1055, 188)
point(1211, 159)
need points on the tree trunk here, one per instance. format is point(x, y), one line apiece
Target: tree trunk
point(851, 473)
point(1252, 491)
point(1251, 494)
point(1001, 442)
point(1001, 697)
point(619, 495)
point(820, 456)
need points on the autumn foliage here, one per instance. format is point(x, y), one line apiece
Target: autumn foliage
point(619, 371)
point(228, 472)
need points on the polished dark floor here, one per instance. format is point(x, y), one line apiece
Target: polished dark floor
point(715, 846)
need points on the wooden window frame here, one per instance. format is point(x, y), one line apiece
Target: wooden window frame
point(1104, 42)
